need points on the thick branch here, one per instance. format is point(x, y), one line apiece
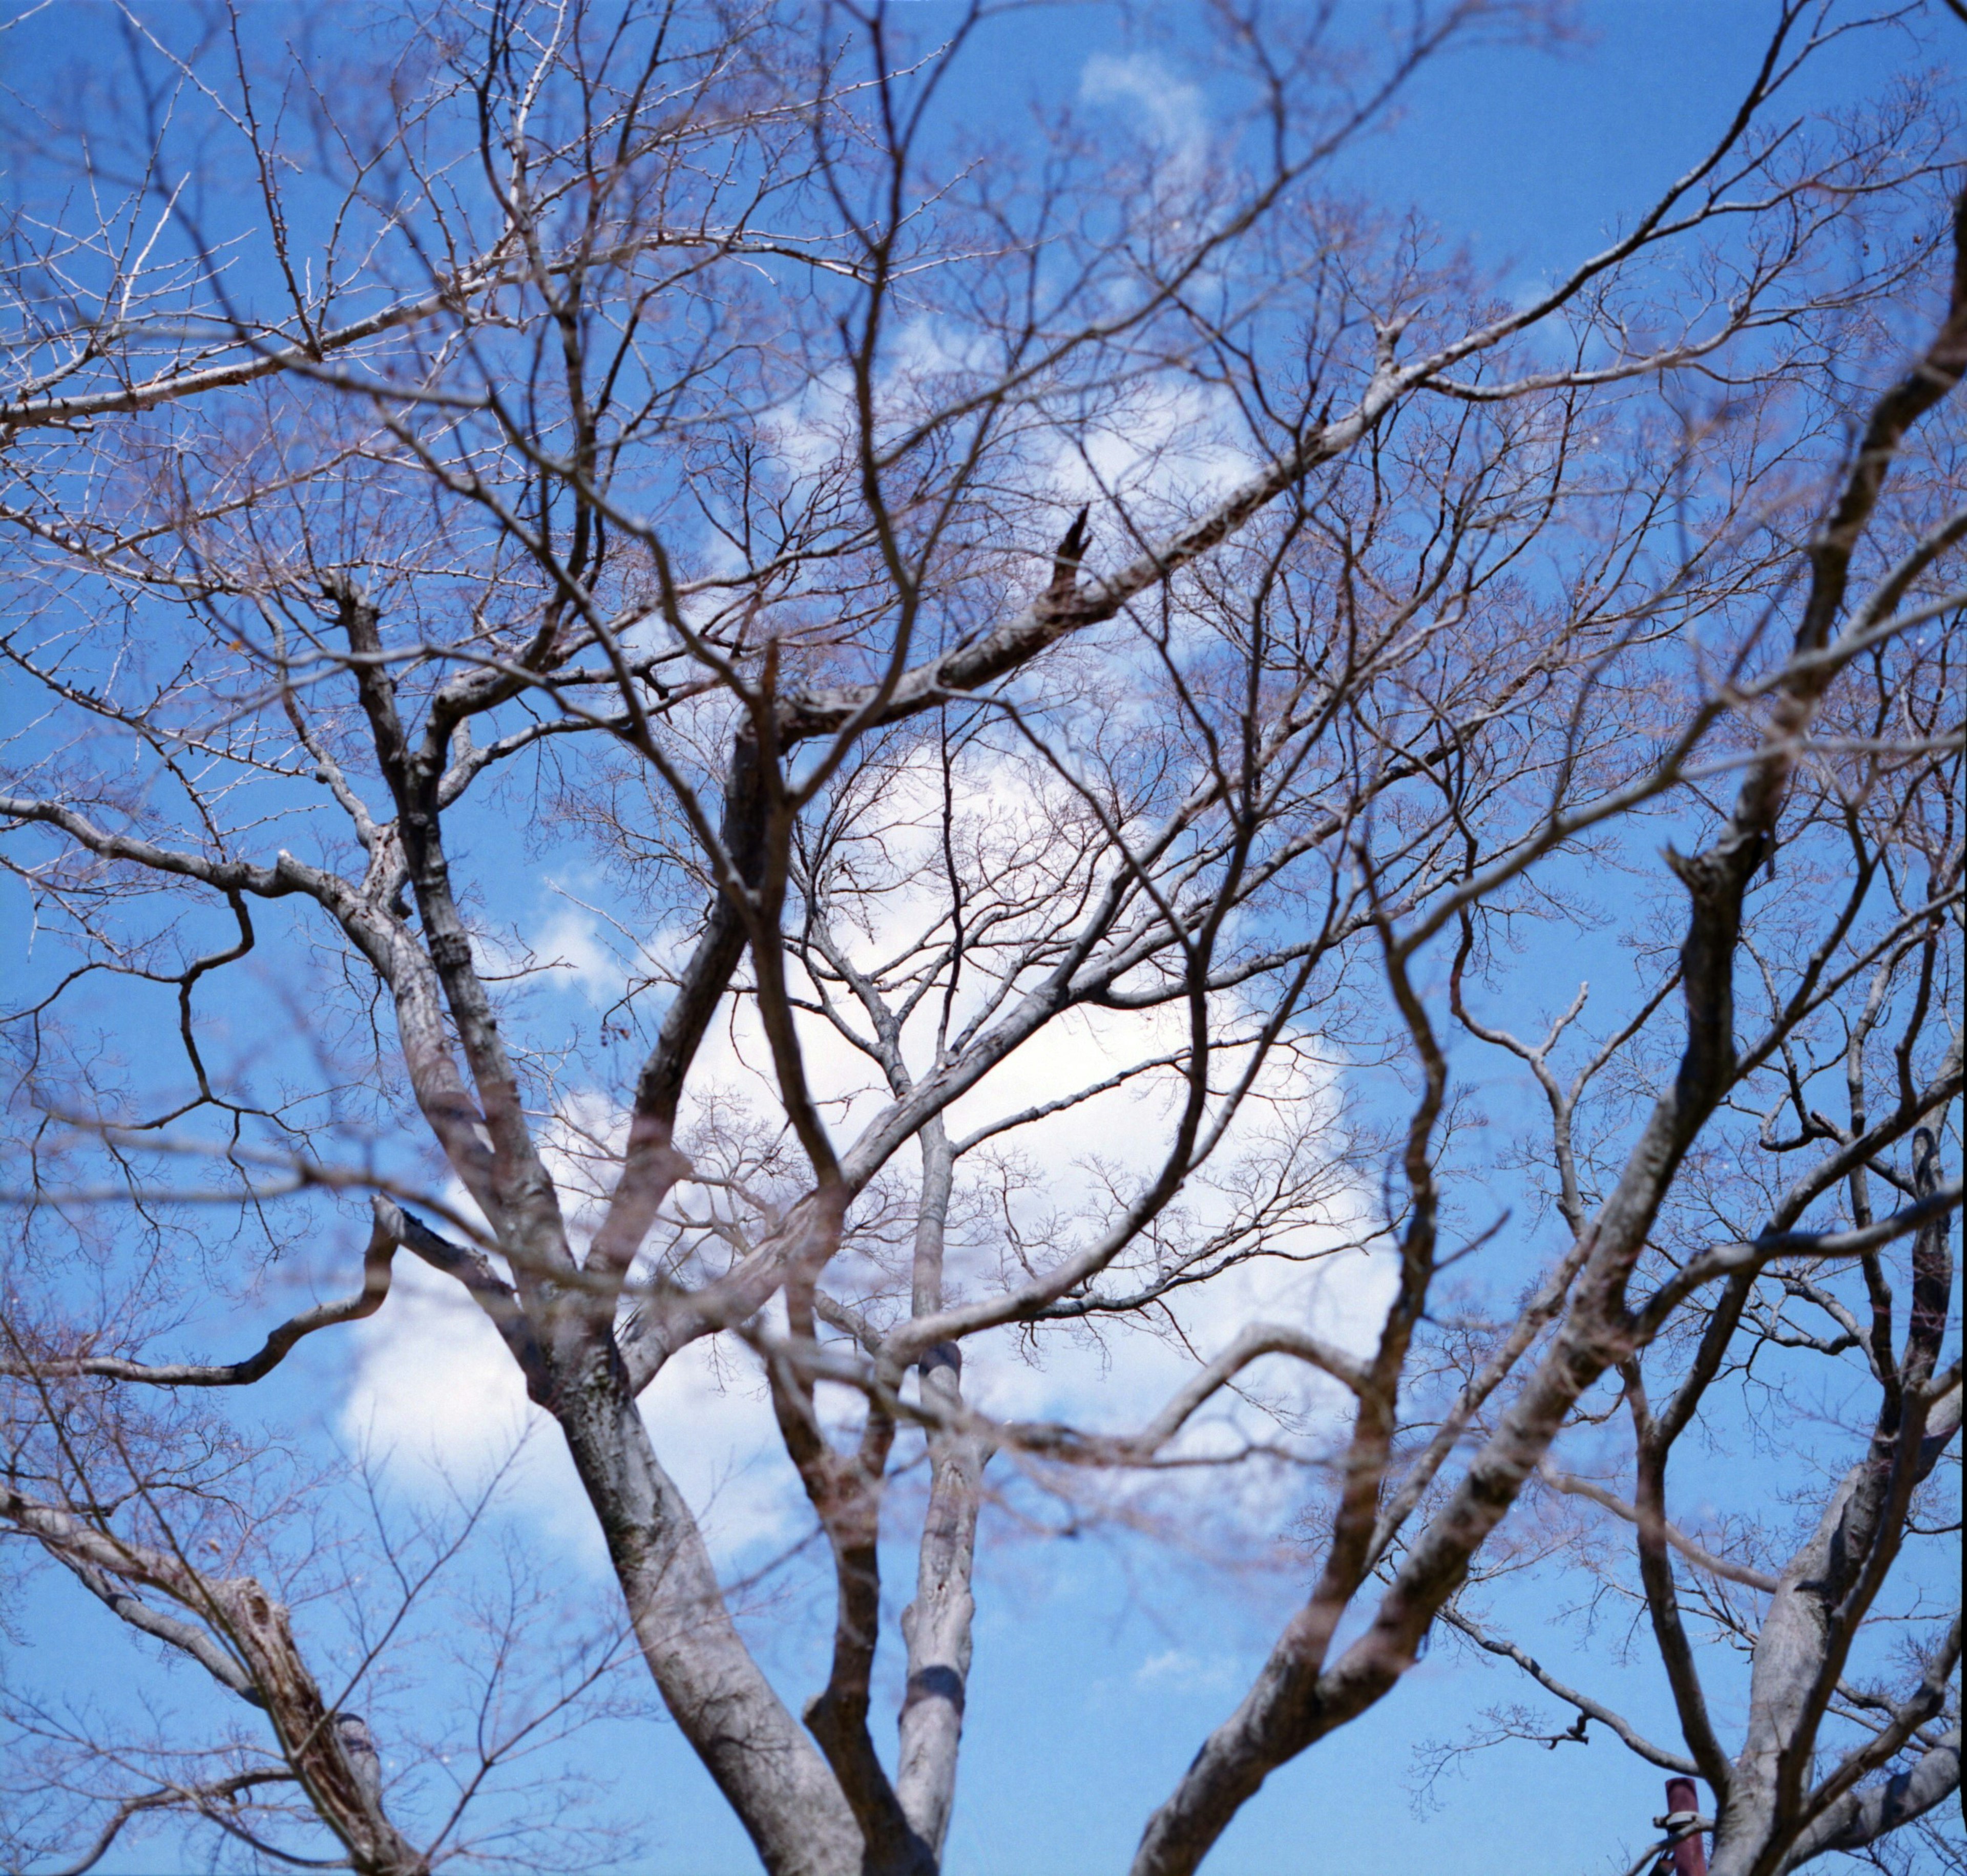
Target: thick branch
point(376, 1261)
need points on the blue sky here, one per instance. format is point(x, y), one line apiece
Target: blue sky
point(1100, 1663)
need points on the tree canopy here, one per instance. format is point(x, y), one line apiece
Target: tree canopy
point(1095, 691)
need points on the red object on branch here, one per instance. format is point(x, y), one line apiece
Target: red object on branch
point(1690, 1854)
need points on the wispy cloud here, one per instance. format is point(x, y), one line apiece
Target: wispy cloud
point(1169, 108)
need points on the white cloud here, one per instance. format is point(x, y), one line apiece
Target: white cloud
point(1169, 448)
point(572, 944)
point(1116, 1379)
point(1176, 1671)
point(438, 1399)
point(1168, 108)
point(436, 1387)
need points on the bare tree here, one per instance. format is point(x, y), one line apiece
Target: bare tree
point(1093, 627)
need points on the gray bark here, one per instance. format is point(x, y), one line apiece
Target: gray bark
point(259, 1661)
point(936, 1625)
point(762, 1760)
point(1864, 1816)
